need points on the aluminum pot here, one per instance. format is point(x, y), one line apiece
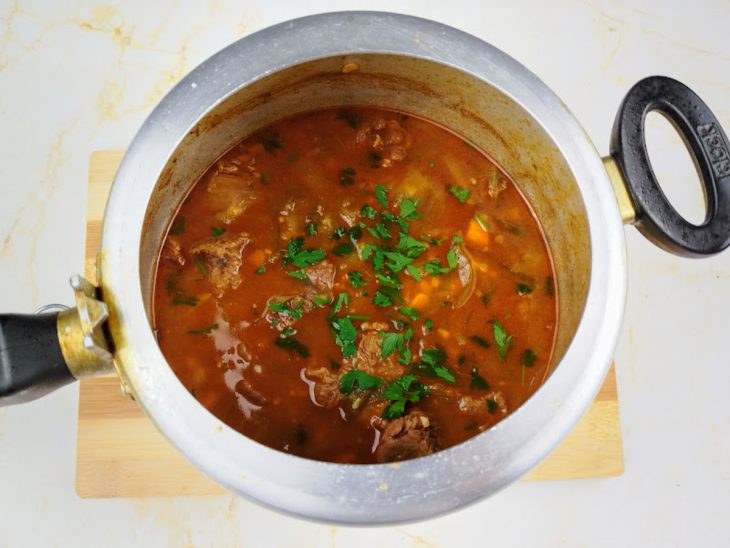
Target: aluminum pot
point(434, 71)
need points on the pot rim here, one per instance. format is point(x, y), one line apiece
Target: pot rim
point(358, 494)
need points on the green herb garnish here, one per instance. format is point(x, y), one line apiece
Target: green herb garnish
point(286, 309)
point(300, 257)
point(433, 364)
point(343, 249)
point(523, 289)
point(529, 357)
point(409, 312)
point(368, 212)
point(356, 279)
point(204, 331)
point(201, 266)
point(481, 341)
point(491, 406)
point(381, 195)
point(345, 335)
point(298, 274)
point(311, 229)
point(292, 345)
point(459, 193)
point(477, 381)
point(401, 391)
point(343, 299)
point(217, 231)
point(359, 378)
point(261, 268)
point(502, 340)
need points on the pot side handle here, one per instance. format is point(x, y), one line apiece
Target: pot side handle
point(31, 360)
point(42, 352)
point(705, 139)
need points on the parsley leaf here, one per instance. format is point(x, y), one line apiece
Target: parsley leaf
point(414, 272)
point(204, 331)
point(291, 344)
point(392, 341)
point(477, 381)
point(388, 280)
point(382, 299)
point(401, 391)
point(433, 364)
point(434, 268)
point(300, 257)
point(298, 274)
point(523, 289)
point(502, 340)
point(343, 299)
point(356, 279)
point(347, 176)
point(367, 212)
point(491, 406)
point(409, 312)
point(410, 245)
point(345, 335)
point(321, 300)
point(451, 258)
point(381, 195)
point(397, 261)
point(481, 341)
point(408, 209)
point(461, 194)
point(217, 231)
point(363, 380)
point(311, 229)
point(529, 357)
point(286, 309)
point(343, 249)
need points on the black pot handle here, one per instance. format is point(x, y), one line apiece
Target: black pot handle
point(31, 360)
point(704, 137)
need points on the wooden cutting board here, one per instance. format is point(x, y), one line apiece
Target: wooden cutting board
point(121, 454)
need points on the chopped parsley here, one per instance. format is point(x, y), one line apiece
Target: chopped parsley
point(201, 266)
point(501, 339)
point(217, 231)
point(338, 233)
point(301, 258)
point(204, 331)
point(481, 341)
point(311, 229)
point(347, 176)
point(381, 195)
point(343, 299)
point(355, 233)
point(286, 309)
point(345, 335)
point(410, 245)
point(368, 212)
point(356, 279)
point(401, 391)
point(321, 300)
point(414, 272)
point(408, 209)
point(523, 289)
point(396, 260)
point(291, 344)
point(491, 406)
point(388, 280)
point(434, 268)
point(409, 312)
point(433, 364)
point(486, 298)
point(288, 332)
point(359, 378)
point(452, 259)
point(392, 341)
point(459, 193)
point(428, 324)
point(343, 249)
point(477, 381)
point(261, 268)
point(482, 222)
point(529, 357)
point(178, 227)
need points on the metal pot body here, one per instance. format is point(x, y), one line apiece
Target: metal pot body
point(427, 69)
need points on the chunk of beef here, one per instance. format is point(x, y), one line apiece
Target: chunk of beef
point(321, 275)
point(324, 387)
point(222, 257)
point(496, 184)
point(406, 437)
point(230, 194)
point(368, 359)
point(172, 251)
point(388, 139)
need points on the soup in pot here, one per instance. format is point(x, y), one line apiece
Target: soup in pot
point(356, 285)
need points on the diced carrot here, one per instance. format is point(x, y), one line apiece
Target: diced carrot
point(443, 333)
point(425, 286)
point(257, 257)
point(435, 281)
point(476, 235)
point(420, 301)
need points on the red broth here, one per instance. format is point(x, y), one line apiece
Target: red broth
point(356, 285)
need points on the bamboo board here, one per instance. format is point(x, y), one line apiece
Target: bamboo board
point(121, 454)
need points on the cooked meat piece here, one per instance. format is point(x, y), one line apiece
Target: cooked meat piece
point(222, 257)
point(387, 138)
point(368, 357)
point(324, 387)
point(466, 276)
point(472, 405)
point(244, 388)
point(322, 275)
point(230, 195)
point(406, 437)
point(281, 320)
point(172, 251)
point(374, 326)
point(496, 184)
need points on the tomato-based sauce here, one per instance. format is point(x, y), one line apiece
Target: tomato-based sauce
point(356, 285)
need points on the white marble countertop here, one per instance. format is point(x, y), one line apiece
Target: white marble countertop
point(79, 76)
